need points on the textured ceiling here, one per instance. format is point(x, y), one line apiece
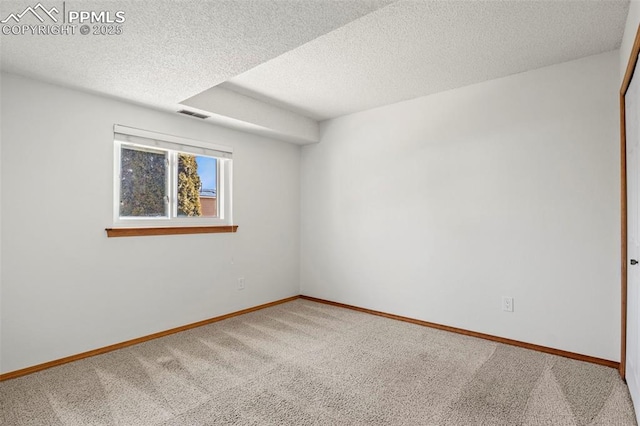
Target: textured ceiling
point(313, 58)
point(415, 48)
point(172, 50)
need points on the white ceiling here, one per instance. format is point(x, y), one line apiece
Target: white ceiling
point(287, 60)
point(171, 50)
point(415, 48)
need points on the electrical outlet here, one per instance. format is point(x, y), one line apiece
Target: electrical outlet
point(241, 283)
point(507, 304)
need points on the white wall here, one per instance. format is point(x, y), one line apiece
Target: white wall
point(66, 287)
point(436, 207)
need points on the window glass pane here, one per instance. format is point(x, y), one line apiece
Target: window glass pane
point(197, 186)
point(143, 182)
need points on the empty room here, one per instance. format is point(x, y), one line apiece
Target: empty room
point(319, 212)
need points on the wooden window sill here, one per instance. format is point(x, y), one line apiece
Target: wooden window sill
point(174, 230)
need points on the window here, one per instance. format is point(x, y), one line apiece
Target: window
point(166, 181)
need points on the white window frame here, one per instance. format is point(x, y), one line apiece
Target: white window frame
point(124, 135)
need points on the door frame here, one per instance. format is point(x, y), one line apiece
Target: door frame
point(631, 66)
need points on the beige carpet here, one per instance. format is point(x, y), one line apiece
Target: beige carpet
point(304, 363)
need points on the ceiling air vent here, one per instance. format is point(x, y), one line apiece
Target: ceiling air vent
point(192, 114)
